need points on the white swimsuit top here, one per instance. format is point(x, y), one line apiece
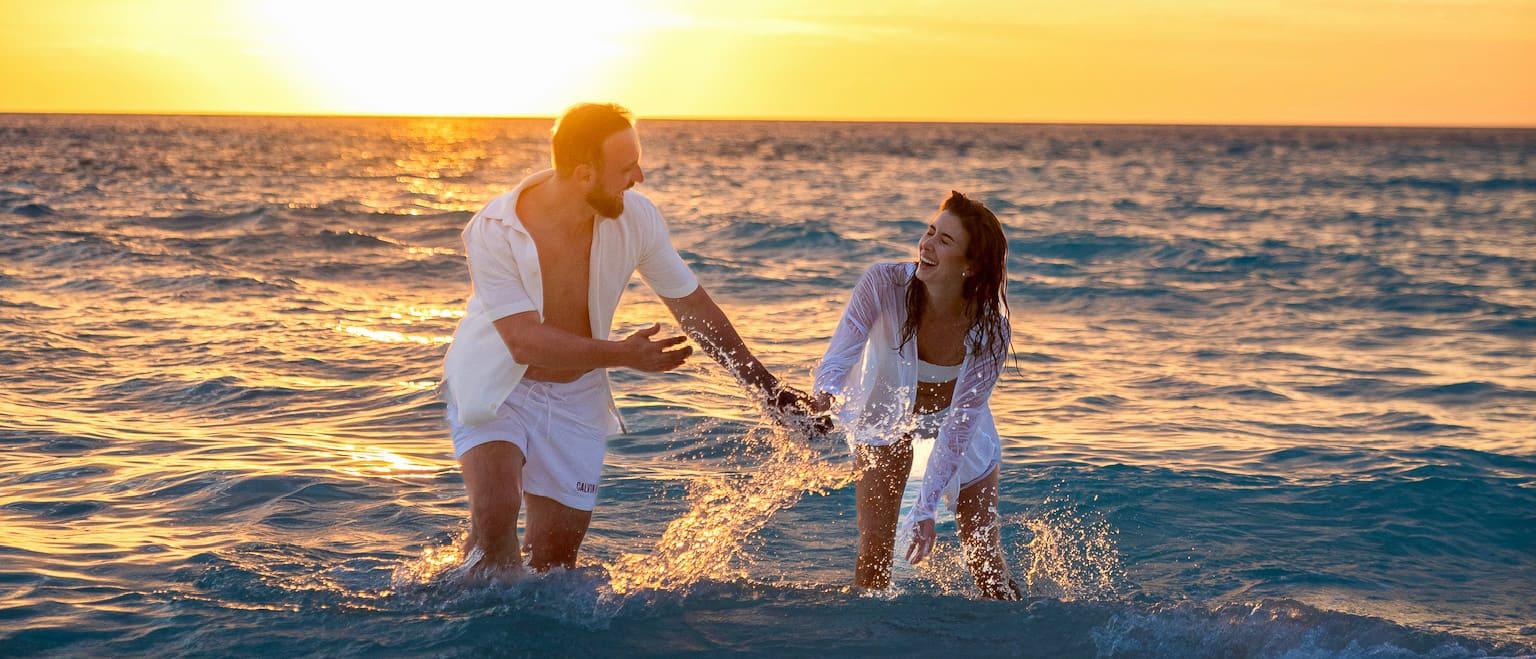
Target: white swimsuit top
point(934, 373)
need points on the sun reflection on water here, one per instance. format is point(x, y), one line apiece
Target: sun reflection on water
point(380, 461)
point(391, 336)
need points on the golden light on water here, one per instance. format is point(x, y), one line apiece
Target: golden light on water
point(376, 461)
point(392, 336)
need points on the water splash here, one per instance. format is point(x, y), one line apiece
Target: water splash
point(725, 511)
point(1066, 553)
point(437, 563)
point(1072, 553)
point(709, 542)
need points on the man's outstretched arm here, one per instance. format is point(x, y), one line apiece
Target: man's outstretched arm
point(704, 322)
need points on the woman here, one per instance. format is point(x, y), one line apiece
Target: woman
point(930, 339)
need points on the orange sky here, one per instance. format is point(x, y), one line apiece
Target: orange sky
point(1415, 62)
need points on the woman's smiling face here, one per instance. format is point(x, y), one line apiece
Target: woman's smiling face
point(941, 252)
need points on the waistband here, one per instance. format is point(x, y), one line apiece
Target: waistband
point(589, 380)
point(585, 400)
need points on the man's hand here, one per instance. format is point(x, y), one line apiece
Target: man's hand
point(643, 354)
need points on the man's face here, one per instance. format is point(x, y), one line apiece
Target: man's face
point(620, 171)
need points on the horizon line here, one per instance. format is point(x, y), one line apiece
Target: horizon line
point(775, 119)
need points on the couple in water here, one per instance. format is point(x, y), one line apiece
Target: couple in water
point(529, 404)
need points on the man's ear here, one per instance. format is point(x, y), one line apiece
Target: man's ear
point(585, 173)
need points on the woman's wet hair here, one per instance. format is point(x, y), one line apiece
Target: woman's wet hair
point(985, 289)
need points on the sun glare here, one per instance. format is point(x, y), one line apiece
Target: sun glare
point(452, 57)
point(1172, 61)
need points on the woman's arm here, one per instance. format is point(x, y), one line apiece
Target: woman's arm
point(848, 340)
point(972, 391)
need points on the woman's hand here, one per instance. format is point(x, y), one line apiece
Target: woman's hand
point(923, 537)
point(799, 409)
point(822, 403)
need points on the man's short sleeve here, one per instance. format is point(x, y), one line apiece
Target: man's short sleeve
point(660, 266)
point(493, 270)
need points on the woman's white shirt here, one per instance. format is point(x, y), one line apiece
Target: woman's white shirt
point(875, 381)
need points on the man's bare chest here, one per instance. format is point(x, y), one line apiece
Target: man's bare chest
point(565, 264)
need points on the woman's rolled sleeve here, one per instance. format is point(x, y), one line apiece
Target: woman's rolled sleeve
point(847, 344)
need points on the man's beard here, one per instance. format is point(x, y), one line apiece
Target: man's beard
point(606, 205)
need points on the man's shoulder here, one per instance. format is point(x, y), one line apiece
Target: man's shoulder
point(638, 205)
point(501, 207)
point(504, 205)
point(641, 220)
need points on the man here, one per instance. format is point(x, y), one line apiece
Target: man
point(529, 402)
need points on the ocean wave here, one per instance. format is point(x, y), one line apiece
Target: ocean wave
point(1079, 246)
point(352, 240)
point(1407, 303)
point(55, 510)
point(1273, 628)
point(225, 393)
point(756, 235)
point(53, 444)
point(1346, 467)
point(1106, 298)
point(438, 269)
point(277, 500)
point(1176, 388)
point(1460, 186)
point(90, 250)
point(1524, 327)
point(222, 284)
point(34, 210)
point(206, 221)
point(1408, 423)
point(1473, 392)
point(365, 214)
point(565, 610)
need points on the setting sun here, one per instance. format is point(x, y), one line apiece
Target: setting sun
point(458, 57)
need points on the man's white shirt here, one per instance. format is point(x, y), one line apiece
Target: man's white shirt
point(479, 371)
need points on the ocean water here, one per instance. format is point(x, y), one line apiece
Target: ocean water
point(1275, 393)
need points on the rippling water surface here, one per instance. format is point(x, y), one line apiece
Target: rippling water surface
point(1276, 392)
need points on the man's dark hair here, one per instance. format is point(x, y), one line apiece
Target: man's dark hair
point(579, 134)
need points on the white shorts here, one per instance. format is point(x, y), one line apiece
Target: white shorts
point(562, 428)
point(983, 454)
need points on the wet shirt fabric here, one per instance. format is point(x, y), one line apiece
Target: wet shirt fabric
point(479, 371)
point(874, 380)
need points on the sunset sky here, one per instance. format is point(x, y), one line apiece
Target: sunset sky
point(1414, 62)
